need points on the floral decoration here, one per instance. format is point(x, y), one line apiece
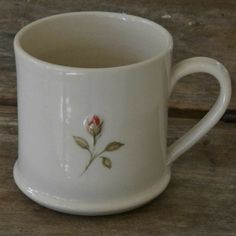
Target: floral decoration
point(94, 125)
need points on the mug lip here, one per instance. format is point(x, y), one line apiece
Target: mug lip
point(35, 60)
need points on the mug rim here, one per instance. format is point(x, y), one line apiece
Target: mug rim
point(18, 47)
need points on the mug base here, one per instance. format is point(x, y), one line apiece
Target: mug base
point(78, 208)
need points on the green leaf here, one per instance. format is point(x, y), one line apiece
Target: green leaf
point(106, 162)
point(81, 142)
point(113, 146)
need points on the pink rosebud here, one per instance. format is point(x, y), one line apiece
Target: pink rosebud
point(95, 120)
point(94, 125)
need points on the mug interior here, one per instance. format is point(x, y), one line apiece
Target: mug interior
point(94, 39)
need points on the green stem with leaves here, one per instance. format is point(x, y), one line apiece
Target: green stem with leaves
point(93, 156)
point(110, 147)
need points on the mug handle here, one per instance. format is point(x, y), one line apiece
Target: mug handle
point(212, 67)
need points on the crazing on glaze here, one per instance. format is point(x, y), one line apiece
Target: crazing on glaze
point(94, 126)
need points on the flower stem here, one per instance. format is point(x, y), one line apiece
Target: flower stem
point(97, 155)
point(92, 156)
point(87, 166)
point(94, 141)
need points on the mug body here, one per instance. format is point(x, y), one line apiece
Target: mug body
point(92, 110)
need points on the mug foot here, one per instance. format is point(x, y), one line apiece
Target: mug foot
point(77, 207)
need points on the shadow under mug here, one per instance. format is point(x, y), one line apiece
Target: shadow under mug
point(93, 90)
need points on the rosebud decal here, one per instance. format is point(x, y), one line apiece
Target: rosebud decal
point(93, 125)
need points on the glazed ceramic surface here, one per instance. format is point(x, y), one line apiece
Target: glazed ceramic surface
point(93, 89)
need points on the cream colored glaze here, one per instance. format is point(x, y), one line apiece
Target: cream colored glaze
point(127, 87)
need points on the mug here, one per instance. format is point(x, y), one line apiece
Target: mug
point(93, 90)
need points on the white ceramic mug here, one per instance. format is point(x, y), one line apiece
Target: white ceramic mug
point(93, 89)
